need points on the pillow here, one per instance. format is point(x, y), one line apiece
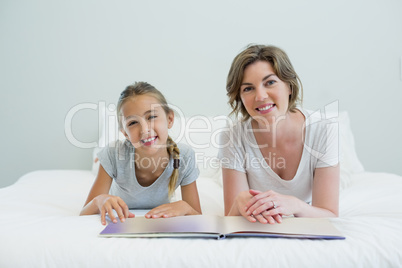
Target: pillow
point(349, 162)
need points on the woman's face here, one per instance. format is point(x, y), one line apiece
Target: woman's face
point(263, 94)
point(145, 123)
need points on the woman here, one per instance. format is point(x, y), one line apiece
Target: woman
point(275, 161)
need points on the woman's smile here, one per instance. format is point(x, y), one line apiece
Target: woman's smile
point(265, 108)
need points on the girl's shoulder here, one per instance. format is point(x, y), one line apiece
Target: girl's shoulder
point(118, 144)
point(116, 147)
point(185, 149)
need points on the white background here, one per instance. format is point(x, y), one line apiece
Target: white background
point(55, 55)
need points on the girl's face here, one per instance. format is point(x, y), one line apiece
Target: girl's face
point(145, 123)
point(263, 94)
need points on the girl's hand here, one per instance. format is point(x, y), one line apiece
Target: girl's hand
point(272, 205)
point(107, 203)
point(179, 208)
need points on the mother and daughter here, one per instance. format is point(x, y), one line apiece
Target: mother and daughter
point(274, 163)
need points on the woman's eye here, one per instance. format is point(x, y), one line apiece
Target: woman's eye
point(247, 89)
point(152, 117)
point(132, 123)
point(270, 82)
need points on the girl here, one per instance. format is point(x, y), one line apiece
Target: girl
point(276, 161)
point(143, 171)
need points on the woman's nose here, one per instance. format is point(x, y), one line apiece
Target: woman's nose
point(260, 94)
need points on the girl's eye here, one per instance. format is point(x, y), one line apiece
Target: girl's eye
point(247, 89)
point(152, 117)
point(270, 82)
point(132, 123)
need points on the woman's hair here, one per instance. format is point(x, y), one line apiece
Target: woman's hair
point(143, 88)
point(281, 65)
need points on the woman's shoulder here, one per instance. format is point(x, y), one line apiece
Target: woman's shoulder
point(236, 131)
point(320, 124)
point(317, 117)
point(237, 127)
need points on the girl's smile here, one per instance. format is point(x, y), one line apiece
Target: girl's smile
point(149, 141)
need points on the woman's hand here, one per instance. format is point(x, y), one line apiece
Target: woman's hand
point(239, 206)
point(107, 203)
point(272, 204)
point(179, 208)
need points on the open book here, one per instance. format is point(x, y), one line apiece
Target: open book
point(209, 226)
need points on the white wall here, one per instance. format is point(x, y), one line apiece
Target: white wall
point(55, 55)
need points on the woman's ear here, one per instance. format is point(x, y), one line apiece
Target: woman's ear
point(290, 90)
point(170, 118)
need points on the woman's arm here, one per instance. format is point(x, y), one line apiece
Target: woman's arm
point(325, 197)
point(99, 201)
point(235, 191)
point(325, 201)
point(189, 205)
point(237, 196)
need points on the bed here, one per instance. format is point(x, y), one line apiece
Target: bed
point(40, 226)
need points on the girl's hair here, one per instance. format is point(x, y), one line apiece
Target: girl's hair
point(282, 67)
point(142, 88)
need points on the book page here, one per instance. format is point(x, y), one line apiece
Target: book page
point(290, 226)
point(183, 224)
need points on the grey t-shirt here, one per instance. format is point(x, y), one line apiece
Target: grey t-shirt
point(241, 152)
point(118, 161)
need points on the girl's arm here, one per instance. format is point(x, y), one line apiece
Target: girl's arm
point(189, 194)
point(325, 201)
point(189, 205)
point(99, 201)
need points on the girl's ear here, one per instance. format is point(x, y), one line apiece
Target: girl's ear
point(170, 118)
point(124, 133)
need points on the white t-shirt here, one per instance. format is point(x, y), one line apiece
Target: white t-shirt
point(240, 151)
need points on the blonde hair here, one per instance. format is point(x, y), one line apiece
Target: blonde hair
point(143, 88)
point(281, 65)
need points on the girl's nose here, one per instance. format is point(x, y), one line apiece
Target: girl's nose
point(145, 128)
point(260, 94)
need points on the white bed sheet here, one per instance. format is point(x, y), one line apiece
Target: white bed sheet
point(40, 227)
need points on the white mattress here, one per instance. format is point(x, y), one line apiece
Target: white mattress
point(40, 227)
